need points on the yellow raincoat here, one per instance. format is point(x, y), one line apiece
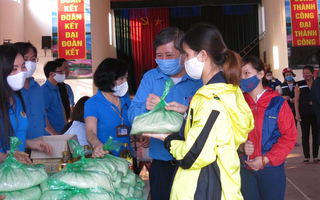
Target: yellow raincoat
point(218, 121)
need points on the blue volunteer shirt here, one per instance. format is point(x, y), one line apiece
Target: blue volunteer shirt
point(71, 96)
point(53, 105)
point(108, 120)
point(19, 124)
point(154, 82)
point(34, 103)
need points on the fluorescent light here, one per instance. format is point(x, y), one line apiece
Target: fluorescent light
point(110, 29)
point(276, 57)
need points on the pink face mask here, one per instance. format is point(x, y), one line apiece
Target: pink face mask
point(307, 77)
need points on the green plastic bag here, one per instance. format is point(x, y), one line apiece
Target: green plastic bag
point(79, 179)
point(17, 176)
point(130, 178)
point(125, 190)
point(110, 173)
point(32, 193)
point(110, 145)
point(158, 120)
point(121, 163)
point(93, 164)
point(77, 194)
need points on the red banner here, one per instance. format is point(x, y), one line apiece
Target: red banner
point(71, 30)
point(304, 22)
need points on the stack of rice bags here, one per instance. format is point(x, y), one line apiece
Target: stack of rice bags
point(19, 181)
point(94, 178)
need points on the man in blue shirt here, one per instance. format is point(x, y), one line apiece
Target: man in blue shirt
point(32, 93)
point(52, 101)
point(65, 89)
point(168, 58)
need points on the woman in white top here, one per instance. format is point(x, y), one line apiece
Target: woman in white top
point(77, 126)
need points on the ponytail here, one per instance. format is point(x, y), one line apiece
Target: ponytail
point(231, 69)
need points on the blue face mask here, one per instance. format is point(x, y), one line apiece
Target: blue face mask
point(249, 84)
point(289, 78)
point(169, 67)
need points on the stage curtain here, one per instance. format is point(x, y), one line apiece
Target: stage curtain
point(238, 24)
point(123, 44)
point(136, 29)
point(145, 25)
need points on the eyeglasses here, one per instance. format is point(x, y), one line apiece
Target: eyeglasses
point(60, 72)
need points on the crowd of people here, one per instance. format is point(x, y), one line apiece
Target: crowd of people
point(239, 125)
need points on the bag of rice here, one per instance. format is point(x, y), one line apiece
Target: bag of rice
point(90, 164)
point(17, 176)
point(158, 120)
point(32, 193)
point(77, 194)
point(73, 179)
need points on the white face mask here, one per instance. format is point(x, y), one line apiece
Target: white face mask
point(16, 82)
point(59, 77)
point(31, 67)
point(194, 67)
point(121, 90)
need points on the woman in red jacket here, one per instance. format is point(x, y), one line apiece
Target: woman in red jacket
point(269, 143)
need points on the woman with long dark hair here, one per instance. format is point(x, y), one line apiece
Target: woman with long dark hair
point(32, 93)
point(14, 121)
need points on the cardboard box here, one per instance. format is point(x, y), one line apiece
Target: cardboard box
point(59, 143)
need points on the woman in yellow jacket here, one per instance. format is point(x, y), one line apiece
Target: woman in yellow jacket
point(216, 123)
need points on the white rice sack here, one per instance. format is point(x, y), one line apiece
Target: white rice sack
point(18, 176)
point(139, 184)
point(116, 183)
point(126, 190)
point(119, 196)
point(138, 193)
point(44, 186)
point(93, 164)
point(79, 194)
point(160, 121)
point(130, 178)
point(121, 163)
point(80, 179)
point(33, 193)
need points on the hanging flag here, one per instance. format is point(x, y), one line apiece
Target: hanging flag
point(304, 22)
point(71, 30)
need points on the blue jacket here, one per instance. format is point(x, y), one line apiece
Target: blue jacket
point(275, 132)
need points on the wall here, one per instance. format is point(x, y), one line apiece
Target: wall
point(275, 25)
point(11, 25)
point(101, 47)
point(38, 23)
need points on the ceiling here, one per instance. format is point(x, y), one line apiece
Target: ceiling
point(126, 4)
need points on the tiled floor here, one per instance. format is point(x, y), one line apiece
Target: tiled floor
point(303, 181)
